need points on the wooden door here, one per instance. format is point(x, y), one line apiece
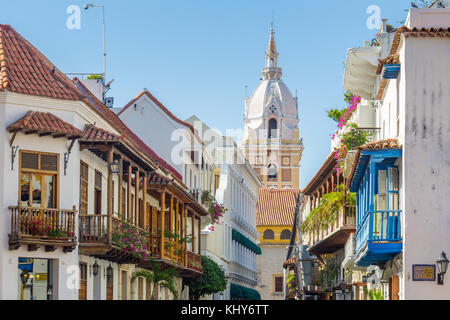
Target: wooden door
point(109, 288)
point(394, 288)
point(82, 291)
point(141, 289)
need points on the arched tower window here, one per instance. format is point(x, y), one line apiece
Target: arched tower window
point(273, 126)
point(285, 235)
point(268, 235)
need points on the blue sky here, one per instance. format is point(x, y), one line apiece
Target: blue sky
point(197, 56)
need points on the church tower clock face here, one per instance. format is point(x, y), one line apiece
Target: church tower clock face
point(272, 144)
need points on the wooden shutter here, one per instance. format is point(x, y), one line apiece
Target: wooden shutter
point(30, 160)
point(141, 289)
point(49, 163)
point(82, 291)
point(148, 293)
point(278, 284)
point(84, 175)
point(109, 287)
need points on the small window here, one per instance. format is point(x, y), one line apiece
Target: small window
point(278, 284)
point(272, 128)
point(285, 235)
point(30, 160)
point(268, 235)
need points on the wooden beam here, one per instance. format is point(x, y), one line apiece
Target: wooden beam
point(144, 200)
point(185, 234)
point(136, 198)
point(109, 203)
point(119, 189)
point(176, 227)
point(161, 224)
point(129, 201)
point(199, 235)
point(171, 226)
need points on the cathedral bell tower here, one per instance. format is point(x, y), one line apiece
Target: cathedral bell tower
point(272, 144)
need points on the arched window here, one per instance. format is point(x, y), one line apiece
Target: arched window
point(273, 128)
point(285, 235)
point(268, 235)
point(272, 171)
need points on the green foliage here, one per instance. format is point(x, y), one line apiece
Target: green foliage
point(291, 281)
point(330, 205)
point(355, 138)
point(327, 274)
point(98, 77)
point(374, 294)
point(159, 278)
point(211, 281)
point(337, 113)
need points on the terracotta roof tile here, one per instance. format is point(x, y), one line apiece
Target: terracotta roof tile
point(408, 33)
point(156, 179)
point(45, 123)
point(94, 134)
point(130, 136)
point(276, 207)
point(328, 165)
point(377, 145)
point(23, 69)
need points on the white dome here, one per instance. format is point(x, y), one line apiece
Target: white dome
point(272, 93)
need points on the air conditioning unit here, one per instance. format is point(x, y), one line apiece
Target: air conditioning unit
point(109, 102)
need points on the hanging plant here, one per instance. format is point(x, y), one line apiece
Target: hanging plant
point(215, 209)
point(131, 240)
point(330, 205)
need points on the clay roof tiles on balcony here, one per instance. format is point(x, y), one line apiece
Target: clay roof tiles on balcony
point(376, 145)
point(93, 134)
point(45, 123)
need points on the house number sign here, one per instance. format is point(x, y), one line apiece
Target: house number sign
point(424, 272)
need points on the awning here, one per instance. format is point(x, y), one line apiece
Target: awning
point(246, 242)
point(360, 71)
point(243, 293)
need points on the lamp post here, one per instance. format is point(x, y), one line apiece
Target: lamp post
point(86, 7)
point(442, 265)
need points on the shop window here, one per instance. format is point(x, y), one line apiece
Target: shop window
point(35, 279)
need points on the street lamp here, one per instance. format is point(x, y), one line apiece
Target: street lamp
point(86, 7)
point(442, 265)
point(24, 276)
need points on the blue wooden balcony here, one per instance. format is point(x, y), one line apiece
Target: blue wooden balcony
point(378, 238)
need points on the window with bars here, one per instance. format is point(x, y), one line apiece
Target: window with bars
point(278, 284)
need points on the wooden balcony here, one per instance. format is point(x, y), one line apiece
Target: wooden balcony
point(95, 240)
point(336, 235)
point(36, 227)
point(379, 237)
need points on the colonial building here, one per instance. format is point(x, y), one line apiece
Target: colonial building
point(274, 216)
point(233, 243)
point(271, 141)
point(401, 177)
point(76, 181)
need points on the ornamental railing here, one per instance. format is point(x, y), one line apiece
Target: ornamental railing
point(361, 136)
point(379, 227)
point(42, 222)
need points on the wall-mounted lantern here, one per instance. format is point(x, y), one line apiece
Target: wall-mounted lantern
point(114, 166)
point(109, 272)
point(95, 268)
point(442, 265)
